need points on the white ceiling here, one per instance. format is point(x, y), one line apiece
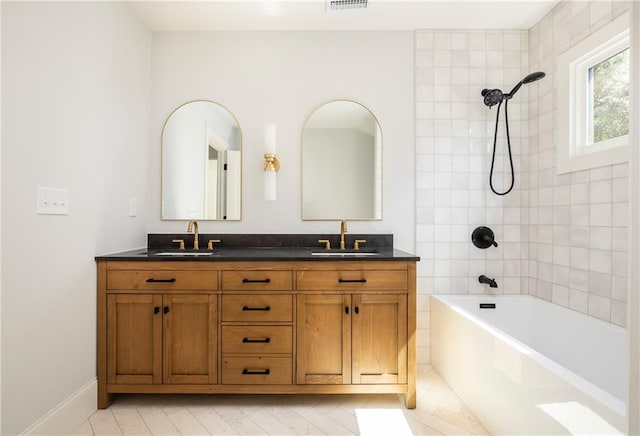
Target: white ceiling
point(312, 15)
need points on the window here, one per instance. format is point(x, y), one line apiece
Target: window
point(593, 100)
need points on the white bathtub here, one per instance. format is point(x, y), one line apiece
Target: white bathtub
point(529, 366)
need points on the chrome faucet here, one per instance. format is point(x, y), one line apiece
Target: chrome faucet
point(343, 229)
point(193, 227)
point(487, 281)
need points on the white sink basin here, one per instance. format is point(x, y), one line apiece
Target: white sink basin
point(183, 253)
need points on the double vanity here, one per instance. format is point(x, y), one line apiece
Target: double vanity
point(269, 314)
point(279, 314)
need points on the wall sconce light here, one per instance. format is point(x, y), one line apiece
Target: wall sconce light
point(271, 163)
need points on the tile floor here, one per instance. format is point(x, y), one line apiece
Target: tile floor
point(439, 412)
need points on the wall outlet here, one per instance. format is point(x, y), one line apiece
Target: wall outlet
point(52, 201)
point(133, 206)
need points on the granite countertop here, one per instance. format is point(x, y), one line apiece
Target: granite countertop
point(264, 248)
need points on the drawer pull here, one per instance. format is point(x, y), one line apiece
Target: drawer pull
point(266, 308)
point(256, 280)
point(341, 280)
point(171, 280)
point(250, 372)
point(251, 341)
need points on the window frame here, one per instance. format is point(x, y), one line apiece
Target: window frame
point(573, 151)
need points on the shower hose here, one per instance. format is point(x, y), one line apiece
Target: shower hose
point(493, 155)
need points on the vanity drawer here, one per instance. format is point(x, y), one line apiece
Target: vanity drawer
point(257, 339)
point(351, 280)
point(188, 280)
point(257, 308)
point(256, 280)
point(257, 370)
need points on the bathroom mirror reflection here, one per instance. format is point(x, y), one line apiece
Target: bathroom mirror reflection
point(201, 163)
point(342, 163)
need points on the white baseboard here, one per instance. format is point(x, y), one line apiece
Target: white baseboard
point(67, 416)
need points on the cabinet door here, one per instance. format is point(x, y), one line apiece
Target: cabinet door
point(379, 339)
point(323, 339)
point(134, 339)
point(190, 325)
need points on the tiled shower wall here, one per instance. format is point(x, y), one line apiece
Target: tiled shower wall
point(578, 221)
point(561, 238)
point(453, 141)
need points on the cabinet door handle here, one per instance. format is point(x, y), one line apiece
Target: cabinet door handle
point(166, 309)
point(357, 309)
point(266, 308)
point(341, 280)
point(256, 280)
point(252, 341)
point(171, 280)
point(251, 372)
point(346, 310)
point(156, 310)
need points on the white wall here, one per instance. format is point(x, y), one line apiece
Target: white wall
point(281, 77)
point(75, 100)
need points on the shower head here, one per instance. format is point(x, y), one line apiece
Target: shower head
point(528, 79)
point(533, 77)
point(492, 96)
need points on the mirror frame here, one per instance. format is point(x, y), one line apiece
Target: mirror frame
point(164, 125)
point(302, 163)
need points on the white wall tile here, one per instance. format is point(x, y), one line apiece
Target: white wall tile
point(620, 189)
point(600, 261)
point(620, 213)
point(620, 241)
point(579, 236)
point(619, 263)
point(600, 214)
point(619, 288)
point(579, 279)
point(600, 307)
point(619, 313)
point(560, 295)
point(600, 191)
point(579, 258)
point(600, 238)
point(600, 284)
point(579, 300)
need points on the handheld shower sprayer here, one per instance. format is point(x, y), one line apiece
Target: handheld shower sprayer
point(496, 96)
point(492, 96)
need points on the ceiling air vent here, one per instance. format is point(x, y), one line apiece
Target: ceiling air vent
point(342, 5)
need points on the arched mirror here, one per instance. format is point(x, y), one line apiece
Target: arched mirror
point(342, 163)
point(201, 163)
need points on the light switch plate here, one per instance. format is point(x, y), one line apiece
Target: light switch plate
point(53, 201)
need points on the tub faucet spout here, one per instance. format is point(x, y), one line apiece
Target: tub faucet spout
point(487, 281)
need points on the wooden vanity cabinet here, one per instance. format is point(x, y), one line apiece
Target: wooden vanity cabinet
point(256, 327)
point(157, 326)
point(154, 338)
point(352, 338)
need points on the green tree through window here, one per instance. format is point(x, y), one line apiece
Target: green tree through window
point(610, 98)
